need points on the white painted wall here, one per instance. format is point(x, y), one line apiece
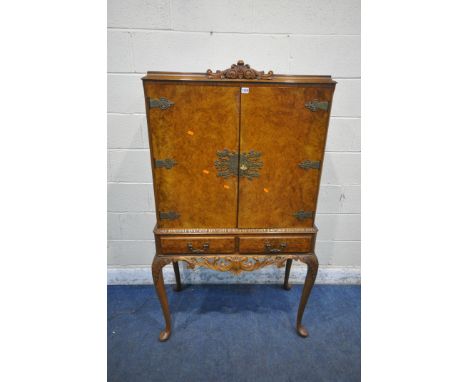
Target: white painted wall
point(292, 37)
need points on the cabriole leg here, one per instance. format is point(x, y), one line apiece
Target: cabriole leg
point(286, 285)
point(178, 286)
point(312, 268)
point(158, 280)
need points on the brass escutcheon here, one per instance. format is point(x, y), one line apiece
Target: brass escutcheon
point(247, 165)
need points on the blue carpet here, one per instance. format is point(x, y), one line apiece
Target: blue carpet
point(234, 333)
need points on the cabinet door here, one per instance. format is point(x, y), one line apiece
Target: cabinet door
point(287, 139)
point(188, 125)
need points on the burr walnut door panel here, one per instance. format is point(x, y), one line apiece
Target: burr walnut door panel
point(287, 139)
point(187, 129)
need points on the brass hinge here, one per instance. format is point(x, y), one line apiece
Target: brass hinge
point(302, 215)
point(166, 163)
point(161, 103)
point(309, 164)
point(315, 105)
point(170, 215)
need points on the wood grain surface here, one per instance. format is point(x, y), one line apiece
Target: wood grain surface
point(202, 121)
point(275, 122)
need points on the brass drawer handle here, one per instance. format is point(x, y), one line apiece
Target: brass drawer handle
point(269, 249)
point(206, 246)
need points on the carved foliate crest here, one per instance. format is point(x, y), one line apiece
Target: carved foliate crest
point(235, 264)
point(240, 71)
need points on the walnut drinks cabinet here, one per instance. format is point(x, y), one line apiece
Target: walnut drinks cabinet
point(236, 157)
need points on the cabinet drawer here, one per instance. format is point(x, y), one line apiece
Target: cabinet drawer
point(275, 244)
point(198, 244)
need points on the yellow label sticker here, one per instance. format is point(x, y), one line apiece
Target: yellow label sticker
point(190, 132)
point(266, 190)
point(226, 187)
point(206, 172)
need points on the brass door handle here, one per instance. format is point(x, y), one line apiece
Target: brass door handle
point(206, 246)
point(269, 249)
